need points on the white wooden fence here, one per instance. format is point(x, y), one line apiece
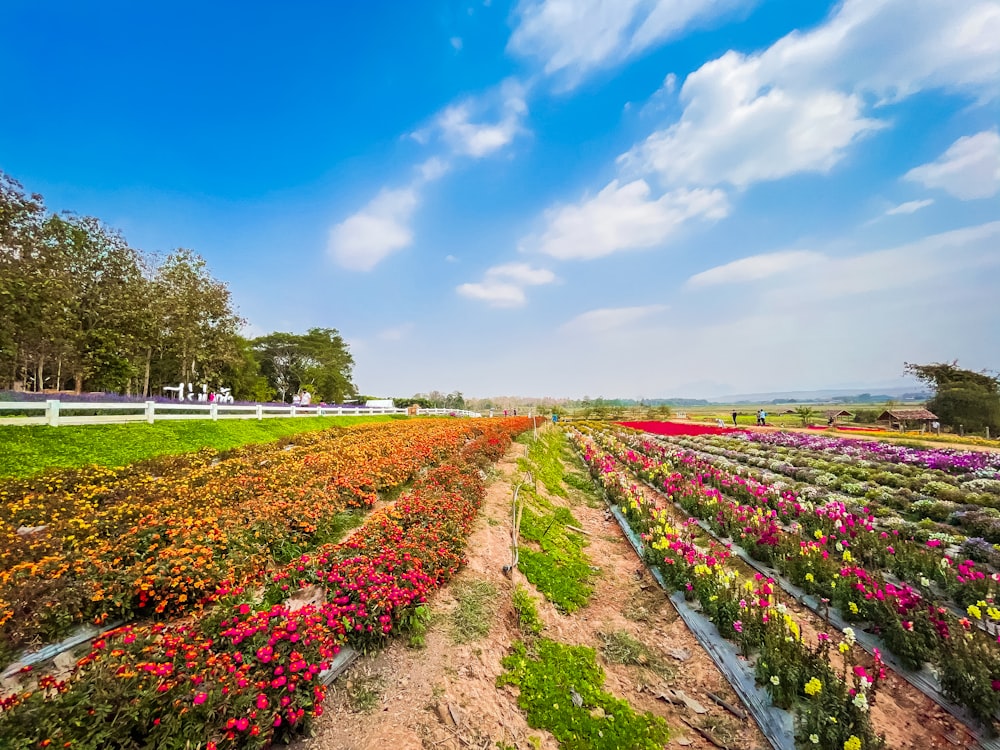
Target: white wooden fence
point(54, 412)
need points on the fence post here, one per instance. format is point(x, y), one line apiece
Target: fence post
point(291, 410)
point(52, 412)
point(150, 411)
point(319, 411)
point(213, 411)
point(260, 411)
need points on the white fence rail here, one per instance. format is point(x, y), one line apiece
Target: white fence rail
point(55, 412)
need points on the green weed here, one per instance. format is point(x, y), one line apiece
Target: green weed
point(560, 690)
point(527, 612)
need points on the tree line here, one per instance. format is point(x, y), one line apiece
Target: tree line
point(82, 310)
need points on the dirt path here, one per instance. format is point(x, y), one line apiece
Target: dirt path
point(445, 695)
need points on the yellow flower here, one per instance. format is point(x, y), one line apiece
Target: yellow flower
point(974, 611)
point(843, 647)
point(853, 607)
point(810, 577)
point(814, 687)
point(852, 743)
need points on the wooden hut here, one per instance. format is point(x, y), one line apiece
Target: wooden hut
point(899, 419)
point(837, 415)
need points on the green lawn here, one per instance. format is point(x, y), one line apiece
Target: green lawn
point(28, 450)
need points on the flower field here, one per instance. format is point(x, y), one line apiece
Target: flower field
point(842, 521)
point(238, 534)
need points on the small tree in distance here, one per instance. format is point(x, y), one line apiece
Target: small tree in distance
point(806, 413)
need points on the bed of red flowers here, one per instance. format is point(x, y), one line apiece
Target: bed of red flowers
point(677, 428)
point(246, 674)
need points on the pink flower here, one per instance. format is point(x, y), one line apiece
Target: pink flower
point(738, 626)
point(200, 698)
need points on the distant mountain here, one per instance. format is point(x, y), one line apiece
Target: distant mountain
point(873, 396)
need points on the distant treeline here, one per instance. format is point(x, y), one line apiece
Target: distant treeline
point(82, 310)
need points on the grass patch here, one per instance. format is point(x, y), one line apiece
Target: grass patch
point(641, 607)
point(584, 486)
point(363, 691)
point(560, 690)
point(621, 647)
point(31, 449)
point(473, 617)
point(527, 612)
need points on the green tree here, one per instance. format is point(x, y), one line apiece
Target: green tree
point(197, 322)
point(806, 413)
point(961, 397)
point(318, 361)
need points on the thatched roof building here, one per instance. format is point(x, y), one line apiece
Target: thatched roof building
point(837, 413)
point(902, 416)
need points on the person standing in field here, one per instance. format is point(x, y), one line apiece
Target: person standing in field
point(763, 418)
point(734, 418)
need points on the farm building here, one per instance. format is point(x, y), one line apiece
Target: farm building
point(906, 418)
point(837, 415)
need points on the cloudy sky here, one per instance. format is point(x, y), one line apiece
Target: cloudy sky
point(636, 198)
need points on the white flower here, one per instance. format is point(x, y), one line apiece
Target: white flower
point(861, 701)
point(775, 680)
point(924, 581)
point(849, 636)
point(814, 738)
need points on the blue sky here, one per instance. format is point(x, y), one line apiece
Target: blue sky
point(634, 198)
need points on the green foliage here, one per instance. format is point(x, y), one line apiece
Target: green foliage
point(473, 617)
point(317, 361)
point(805, 413)
point(545, 460)
point(973, 408)
point(559, 568)
point(81, 309)
point(962, 397)
point(415, 624)
point(550, 676)
point(29, 450)
point(527, 612)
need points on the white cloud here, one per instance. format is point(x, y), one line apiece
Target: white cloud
point(736, 129)
point(821, 276)
point(611, 318)
point(969, 169)
point(451, 258)
point(396, 333)
point(480, 126)
point(379, 229)
point(575, 37)
point(757, 267)
point(503, 286)
point(801, 103)
point(623, 217)
point(433, 169)
point(456, 43)
point(910, 207)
